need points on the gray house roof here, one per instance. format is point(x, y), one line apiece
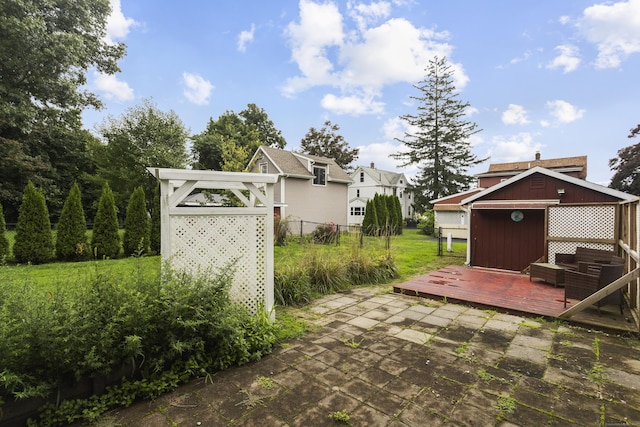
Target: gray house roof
point(299, 165)
point(385, 178)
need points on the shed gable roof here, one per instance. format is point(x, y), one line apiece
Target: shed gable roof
point(557, 175)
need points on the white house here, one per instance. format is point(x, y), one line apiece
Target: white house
point(367, 181)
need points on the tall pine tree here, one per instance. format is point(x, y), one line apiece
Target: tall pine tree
point(440, 142)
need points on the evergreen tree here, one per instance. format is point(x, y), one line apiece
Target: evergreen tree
point(399, 216)
point(440, 144)
point(382, 213)
point(105, 242)
point(71, 239)
point(370, 220)
point(136, 225)
point(393, 217)
point(155, 239)
point(4, 242)
point(34, 240)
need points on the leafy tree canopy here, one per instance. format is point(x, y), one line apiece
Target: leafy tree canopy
point(47, 46)
point(634, 132)
point(228, 143)
point(326, 142)
point(143, 136)
point(438, 137)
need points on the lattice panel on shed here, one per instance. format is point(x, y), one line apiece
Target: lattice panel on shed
point(203, 243)
point(593, 222)
point(580, 222)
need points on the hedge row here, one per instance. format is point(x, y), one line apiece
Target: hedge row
point(34, 242)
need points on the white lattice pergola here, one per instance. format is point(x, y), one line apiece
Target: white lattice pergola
point(206, 238)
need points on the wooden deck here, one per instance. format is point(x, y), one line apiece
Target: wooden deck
point(510, 291)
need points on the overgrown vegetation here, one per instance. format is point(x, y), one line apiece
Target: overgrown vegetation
point(163, 331)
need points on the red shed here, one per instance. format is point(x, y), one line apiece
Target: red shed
point(537, 213)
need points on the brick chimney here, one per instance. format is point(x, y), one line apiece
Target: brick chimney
point(373, 165)
point(537, 156)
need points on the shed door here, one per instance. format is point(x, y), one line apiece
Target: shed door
point(497, 241)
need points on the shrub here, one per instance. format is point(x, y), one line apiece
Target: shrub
point(326, 274)
point(168, 330)
point(33, 240)
point(399, 219)
point(4, 242)
point(137, 230)
point(105, 241)
point(325, 233)
point(71, 236)
point(155, 238)
point(427, 223)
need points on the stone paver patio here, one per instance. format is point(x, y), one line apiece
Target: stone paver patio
point(382, 359)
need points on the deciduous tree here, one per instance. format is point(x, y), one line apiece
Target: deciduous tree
point(326, 142)
point(229, 142)
point(47, 47)
point(437, 139)
point(143, 136)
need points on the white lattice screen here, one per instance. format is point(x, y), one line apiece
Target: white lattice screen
point(594, 222)
point(210, 238)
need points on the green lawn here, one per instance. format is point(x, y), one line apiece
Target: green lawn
point(413, 252)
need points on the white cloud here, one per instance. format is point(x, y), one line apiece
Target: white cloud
point(353, 104)
point(563, 112)
point(118, 25)
point(198, 90)
point(112, 88)
point(568, 59)
point(367, 14)
point(245, 37)
point(515, 115)
point(513, 148)
point(360, 60)
point(615, 30)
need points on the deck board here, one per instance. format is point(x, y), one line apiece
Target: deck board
point(509, 291)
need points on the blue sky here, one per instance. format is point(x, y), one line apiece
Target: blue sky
point(559, 77)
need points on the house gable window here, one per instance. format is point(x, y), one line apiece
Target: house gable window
point(319, 175)
point(264, 167)
point(357, 210)
point(358, 193)
point(361, 176)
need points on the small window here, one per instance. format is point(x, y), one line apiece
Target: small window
point(319, 175)
point(264, 168)
point(357, 193)
point(361, 176)
point(357, 211)
point(400, 195)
